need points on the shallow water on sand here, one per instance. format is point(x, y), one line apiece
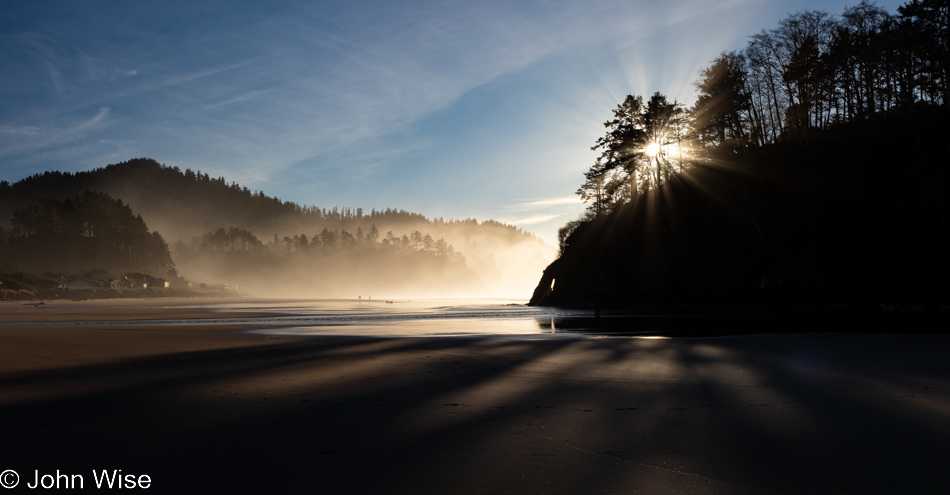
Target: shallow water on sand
point(468, 317)
point(393, 318)
point(403, 318)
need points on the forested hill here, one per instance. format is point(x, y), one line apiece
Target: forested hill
point(860, 219)
point(183, 204)
point(92, 231)
point(814, 168)
point(189, 208)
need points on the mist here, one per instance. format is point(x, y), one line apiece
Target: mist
point(395, 261)
point(207, 231)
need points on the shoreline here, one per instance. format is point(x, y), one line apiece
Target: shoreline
point(121, 309)
point(7, 295)
point(666, 321)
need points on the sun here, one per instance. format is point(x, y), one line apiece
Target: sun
point(652, 149)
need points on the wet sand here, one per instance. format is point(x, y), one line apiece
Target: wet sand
point(214, 409)
point(122, 310)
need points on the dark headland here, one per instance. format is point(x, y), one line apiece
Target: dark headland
point(854, 222)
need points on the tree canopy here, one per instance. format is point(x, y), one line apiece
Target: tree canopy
point(812, 167)
point(93, 230)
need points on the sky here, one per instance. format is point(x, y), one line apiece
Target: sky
point(453, 109)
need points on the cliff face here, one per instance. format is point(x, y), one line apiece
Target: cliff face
point(857, 219)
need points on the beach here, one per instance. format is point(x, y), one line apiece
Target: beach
point(221, 409)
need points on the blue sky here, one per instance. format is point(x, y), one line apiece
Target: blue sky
point(458, 109)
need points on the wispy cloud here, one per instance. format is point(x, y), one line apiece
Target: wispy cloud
point(544, 203)
point(89, 124)
point(546, 214)
point(20, 132)
point(31, 138)
point(534, 219)
point(237, 99)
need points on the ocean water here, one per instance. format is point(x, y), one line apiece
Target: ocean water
point(402, 318)
point(383, 318)
point(453, 317)
point(473, 317)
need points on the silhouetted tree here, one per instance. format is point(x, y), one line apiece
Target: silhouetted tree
point(626, 158)
point(301, 243)
point(328, 238)
point(622, 148)
point(346, 239)
point(441, 247)
point(930, 20)
point(721, 110)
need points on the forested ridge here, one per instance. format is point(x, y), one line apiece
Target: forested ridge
point(812, 169)
point(189, 203)
point(224, 233)
point(89, 231)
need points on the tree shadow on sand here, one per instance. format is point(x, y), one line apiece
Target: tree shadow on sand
point(753, 414)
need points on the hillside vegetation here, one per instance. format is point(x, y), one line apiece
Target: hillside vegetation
point(224, 233)
point(814, 168)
